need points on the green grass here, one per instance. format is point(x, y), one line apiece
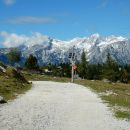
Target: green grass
point(38, 77)
point(11, 87)
point(122, 115)
point(119, 100)
point(12, 83)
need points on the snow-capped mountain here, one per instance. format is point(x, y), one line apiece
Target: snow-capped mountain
point(96, 47)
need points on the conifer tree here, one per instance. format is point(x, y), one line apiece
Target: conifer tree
point(110, 69)
point(94, 71)
point(110, 63)
point(124, 76)
point(31, 63)
point(83, 66)
point(14, 56)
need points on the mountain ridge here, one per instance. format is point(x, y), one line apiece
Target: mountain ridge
point(49, 50)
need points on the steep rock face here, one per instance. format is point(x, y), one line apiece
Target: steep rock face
point(96, 47)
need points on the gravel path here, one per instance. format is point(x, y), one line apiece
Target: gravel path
point(58, 106)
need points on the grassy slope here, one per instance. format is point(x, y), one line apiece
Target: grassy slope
point(12, 83)
point(10, 87)
point(116, 95)
point(38, 77)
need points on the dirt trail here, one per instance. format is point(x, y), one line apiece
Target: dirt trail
point(58, 106)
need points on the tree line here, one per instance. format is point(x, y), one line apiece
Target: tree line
point(14, 57)
point(109, 70)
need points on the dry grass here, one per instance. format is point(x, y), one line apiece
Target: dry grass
point(12, 83)
point(11, 87)
point(38, 77)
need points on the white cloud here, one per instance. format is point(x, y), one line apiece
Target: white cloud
point(103, 4)
point(9, 2)
point(15, 40)
point(30, 20)
point(12, 40)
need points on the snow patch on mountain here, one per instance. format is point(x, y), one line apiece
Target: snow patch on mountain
point(49, 50)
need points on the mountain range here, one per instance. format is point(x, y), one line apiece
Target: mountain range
point(95, 46)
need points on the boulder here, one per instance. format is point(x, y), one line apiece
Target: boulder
point(2, 100)
point(106, 80)
point(2, 69)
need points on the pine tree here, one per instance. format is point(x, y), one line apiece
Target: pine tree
point(124, 76)
point(111, 70)
point(94, 71)
point(83, 66)
point(110, 63)
point(14, 56)
point(31, 63)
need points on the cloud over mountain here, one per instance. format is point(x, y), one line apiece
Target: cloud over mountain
point(15, 40)
point(49, 50)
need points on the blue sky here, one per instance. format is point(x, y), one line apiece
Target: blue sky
point(65, 19)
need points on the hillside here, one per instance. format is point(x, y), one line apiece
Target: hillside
point(12, 82)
